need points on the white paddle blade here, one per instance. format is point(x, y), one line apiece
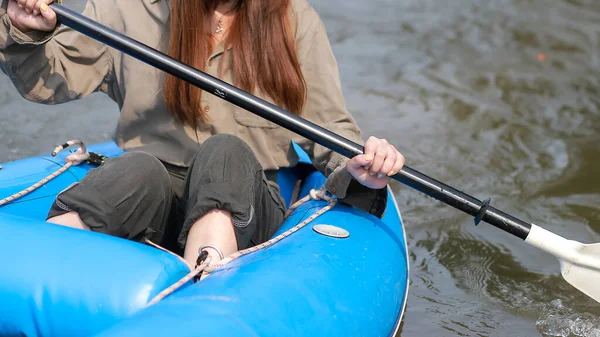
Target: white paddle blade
point(584, 274)
point(579, 263)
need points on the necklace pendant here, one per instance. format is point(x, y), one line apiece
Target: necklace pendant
point(219, 29)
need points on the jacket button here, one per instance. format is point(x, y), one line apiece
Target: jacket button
point(206, 108)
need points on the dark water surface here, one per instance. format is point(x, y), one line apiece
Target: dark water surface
point(499, 98)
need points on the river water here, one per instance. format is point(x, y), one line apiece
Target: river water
point(499, 98)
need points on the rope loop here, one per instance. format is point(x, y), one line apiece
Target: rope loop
point(74, 158)
point(77, 157)
point(317, 194)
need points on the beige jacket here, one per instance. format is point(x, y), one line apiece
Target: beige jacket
point(55, 69)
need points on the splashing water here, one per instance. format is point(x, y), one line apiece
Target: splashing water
point(562, 321)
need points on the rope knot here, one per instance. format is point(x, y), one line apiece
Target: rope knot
point(320, 194)
point(76, 157)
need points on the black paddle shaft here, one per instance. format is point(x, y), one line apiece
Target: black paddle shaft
point(415, 179)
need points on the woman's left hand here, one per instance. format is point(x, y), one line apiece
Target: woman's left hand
point(375, 167)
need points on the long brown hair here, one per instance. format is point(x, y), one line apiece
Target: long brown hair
point(263, 53)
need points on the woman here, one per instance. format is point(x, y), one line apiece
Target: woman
point(197, 170)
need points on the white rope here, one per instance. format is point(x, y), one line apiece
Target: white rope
point(207, 268)
point(74, 158)
point(314, 195)
point(193, 272)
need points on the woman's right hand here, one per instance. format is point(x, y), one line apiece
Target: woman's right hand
point(28, 15)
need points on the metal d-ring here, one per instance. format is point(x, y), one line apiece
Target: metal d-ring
point(201, 248)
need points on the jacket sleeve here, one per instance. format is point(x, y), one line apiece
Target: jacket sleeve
point(54, 67)
point(325, 106)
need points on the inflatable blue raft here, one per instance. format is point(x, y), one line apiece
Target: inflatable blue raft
point(58, 281)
